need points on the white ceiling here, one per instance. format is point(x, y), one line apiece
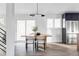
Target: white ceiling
point(44, 8)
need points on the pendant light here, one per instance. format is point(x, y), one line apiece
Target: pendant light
point(42, 15)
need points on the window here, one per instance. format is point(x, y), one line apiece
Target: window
point(49, 26)
point(24, 27)
point(49, 23)
point(57, 23)
point(72, 26)
point(76, 27)
point(54, 23)
point(20, 29)
point(29, 26)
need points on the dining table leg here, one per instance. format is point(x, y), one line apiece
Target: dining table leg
point(26, 47)
point(33, 45)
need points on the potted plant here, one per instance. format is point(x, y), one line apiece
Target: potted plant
point(35, 28)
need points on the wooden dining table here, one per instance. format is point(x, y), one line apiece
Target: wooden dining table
point(34, 39)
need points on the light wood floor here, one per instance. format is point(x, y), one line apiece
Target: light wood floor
point(54, 49)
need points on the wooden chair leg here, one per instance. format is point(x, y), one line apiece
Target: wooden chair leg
point(44, 46)
point(35, 45)
point(26, 46)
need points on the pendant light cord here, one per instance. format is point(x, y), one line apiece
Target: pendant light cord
point(37, 8)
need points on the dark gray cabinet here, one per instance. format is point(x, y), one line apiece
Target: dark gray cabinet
point(70, 31)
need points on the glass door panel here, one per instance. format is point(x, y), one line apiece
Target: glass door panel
point(72, 28)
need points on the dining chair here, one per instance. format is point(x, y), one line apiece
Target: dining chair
point(41, 41)
point(29, 40)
